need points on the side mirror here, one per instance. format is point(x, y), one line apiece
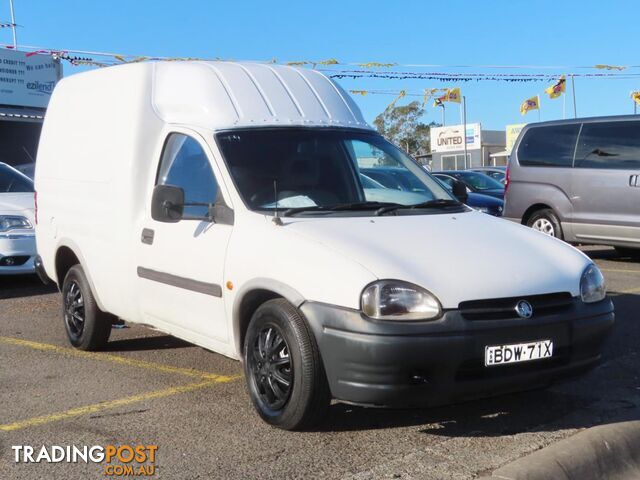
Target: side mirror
point(460, 191)
point(167, 203)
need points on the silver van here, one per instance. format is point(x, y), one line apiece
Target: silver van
point(578, 180)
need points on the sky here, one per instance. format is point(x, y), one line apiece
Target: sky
point(567, 34)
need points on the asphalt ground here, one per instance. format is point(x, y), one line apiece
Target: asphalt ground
point(153, 389)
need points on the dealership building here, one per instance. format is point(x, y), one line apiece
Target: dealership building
point(484, 147)
point(26, 83)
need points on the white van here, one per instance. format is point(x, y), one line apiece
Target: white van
point(223, 203)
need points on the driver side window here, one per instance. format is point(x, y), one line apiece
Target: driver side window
point(185, 164)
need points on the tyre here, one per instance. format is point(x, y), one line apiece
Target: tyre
point(285, 377)
point(88, 328)
point(547, 222)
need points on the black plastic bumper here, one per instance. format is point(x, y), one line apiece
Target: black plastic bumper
point(42, 275)
point(399, 364)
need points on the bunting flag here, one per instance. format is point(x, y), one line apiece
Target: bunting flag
point(450, 95)
point(558, 88)
point(635, 96)
point(609, 67)
point(377, 65)
point(392, 104)
point(438, 101)
point(532, 103)
point(453, 95)
point(428, 93)
point(359, 92)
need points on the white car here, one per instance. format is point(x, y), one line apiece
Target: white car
point(222, 203)
point(17, 234)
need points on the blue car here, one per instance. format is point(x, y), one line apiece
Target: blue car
point(484, 203)
point(477, 182)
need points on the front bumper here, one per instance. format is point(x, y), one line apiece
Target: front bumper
point(399, 364)
point(17, 253)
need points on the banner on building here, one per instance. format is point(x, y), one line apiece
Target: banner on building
point(512, 135)
point(27, 80)
point(451, 139)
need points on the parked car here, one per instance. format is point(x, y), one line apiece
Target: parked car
point(17, 234)
point(497, 173)
point(577, 180)
point(223, 203)
point(483, 203)
point(477, 182)
point(27, 169)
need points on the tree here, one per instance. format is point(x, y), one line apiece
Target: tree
point(401, 125)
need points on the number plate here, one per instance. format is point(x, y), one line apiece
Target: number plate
point(517, 352)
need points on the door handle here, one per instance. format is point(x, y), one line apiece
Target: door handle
point(147, 236)
point(633, 181)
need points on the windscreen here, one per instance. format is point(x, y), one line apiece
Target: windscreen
point(297, 167)
point(480, 181)
point(12, 181)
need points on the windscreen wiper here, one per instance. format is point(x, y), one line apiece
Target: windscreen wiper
point(340, 207)
point(438, 203)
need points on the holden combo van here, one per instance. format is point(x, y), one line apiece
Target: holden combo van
point(577, 180)
point(225, 204)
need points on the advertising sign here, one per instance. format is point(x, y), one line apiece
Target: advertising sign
point(450, 139)
point(27, 79)
point(512, 135)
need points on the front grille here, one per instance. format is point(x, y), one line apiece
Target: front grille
point(14, 261)
point(504, 308)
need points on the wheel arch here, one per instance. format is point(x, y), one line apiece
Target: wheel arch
point(67, 255)
point(534, 208)
point(253, 294)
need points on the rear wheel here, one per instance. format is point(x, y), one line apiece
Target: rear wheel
point(547, 222)
point(88, 328)
point(283, 368)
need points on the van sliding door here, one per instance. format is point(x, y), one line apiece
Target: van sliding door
point(606, 183)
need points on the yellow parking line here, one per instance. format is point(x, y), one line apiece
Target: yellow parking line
point(47, 347)
point(97, 407)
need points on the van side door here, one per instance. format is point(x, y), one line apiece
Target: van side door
point(606, 182)
point(542, 170)
point(180, 265)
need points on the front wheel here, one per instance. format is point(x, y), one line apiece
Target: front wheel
point(283, 368)
point(547, 222)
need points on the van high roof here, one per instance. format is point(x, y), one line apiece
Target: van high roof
point(610, 118)
point(220, 95)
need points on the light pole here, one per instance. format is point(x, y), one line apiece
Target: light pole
point(13, 25)
point(464, 129)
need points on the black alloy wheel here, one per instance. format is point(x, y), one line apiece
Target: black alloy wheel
point(283, 368)
point(74, 309)
point(271, 367)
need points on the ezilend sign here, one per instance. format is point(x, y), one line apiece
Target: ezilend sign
point(27, 79)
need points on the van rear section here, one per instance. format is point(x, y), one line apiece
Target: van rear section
point(92, 161)
point(577, 180)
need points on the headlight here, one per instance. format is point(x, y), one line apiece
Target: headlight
point(592, 285)
point(396, 300)
point(8, 222)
